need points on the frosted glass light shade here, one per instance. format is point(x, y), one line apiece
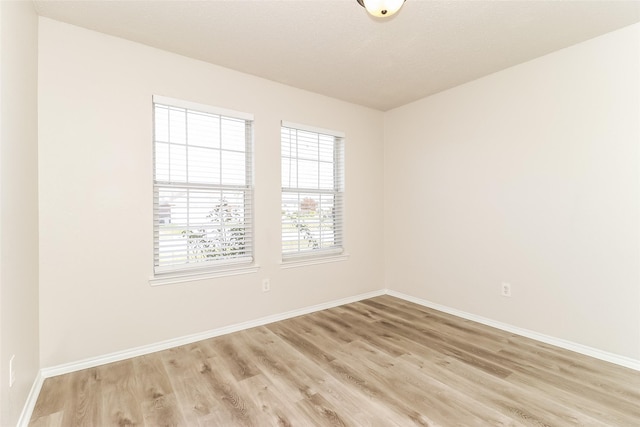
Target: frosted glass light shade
point(382, 8)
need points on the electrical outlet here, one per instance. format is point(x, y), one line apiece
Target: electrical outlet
point(12, 371)
point(266, 286)
point(506, 289)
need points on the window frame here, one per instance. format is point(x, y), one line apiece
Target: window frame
point(321, 255)
point(189, 271)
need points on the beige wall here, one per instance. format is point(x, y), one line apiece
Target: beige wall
point(96, 197)
point(18, 205)
point(529, 176)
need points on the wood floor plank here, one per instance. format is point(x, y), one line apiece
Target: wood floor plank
point(320, 412)
point(229, 348)
point(51, 420)
point(524, 406)
point(85, 407)
point(273, 409)
point(185, 365)
point(287, 368)
point(299, 374)
point(616, 381)
point(235, 406)
point(158, 405)
point(362, 329)
point(286, 330)
point(442, 323)
point(442, 402)
point(120, 405)
point(462, 350)
point(377, 362)
point(52, 398)
point(575, 402)
point(379, 392)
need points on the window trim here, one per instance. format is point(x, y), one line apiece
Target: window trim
point(314, 129)
point(333, 254)
point(231, 267)
point(206, 273)
point(189, 105)
point(304, 261)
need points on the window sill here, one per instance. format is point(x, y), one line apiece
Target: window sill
point(173, 278)
point(303, 262)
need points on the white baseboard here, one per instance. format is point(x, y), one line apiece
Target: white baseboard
point(164, 345)
point(188, 339)
point(558, 342)
point(30, 404)
point(92, 362)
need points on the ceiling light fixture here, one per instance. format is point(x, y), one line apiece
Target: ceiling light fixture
point(381, 8)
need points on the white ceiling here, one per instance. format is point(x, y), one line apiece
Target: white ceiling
point(333, 47)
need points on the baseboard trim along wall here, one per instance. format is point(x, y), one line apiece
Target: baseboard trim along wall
point(164, 345)
point(567, 345)
point(30, 404)
point(189, 339)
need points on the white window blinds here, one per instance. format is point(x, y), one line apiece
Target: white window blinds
point(312, 190)
point(202, 186)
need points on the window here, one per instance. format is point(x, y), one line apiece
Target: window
point(312, 191)
point(202, 187)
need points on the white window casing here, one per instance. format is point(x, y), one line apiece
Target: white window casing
point(312, 165)
point(202, 190)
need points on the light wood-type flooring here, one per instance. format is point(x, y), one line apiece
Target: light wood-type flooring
point(377, 362)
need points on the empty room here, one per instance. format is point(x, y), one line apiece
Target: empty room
point(314, 213)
